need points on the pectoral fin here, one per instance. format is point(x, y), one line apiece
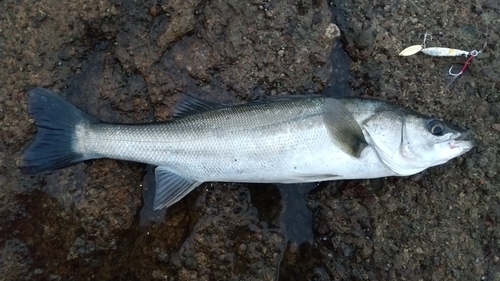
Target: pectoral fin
point(171, 187)
point(344, 130)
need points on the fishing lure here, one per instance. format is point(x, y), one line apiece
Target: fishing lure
point(442, 52)
point(445, 52)
point(411, 50)
point(435, 51)
point(415, 48)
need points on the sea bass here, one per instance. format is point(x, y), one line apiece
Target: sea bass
point(289, 139)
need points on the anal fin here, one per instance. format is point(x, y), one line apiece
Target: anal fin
point(171, 187)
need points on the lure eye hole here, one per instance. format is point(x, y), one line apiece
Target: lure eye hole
point(436, 127)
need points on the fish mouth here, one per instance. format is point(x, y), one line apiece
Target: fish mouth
point(465, 145)
point(464, 141)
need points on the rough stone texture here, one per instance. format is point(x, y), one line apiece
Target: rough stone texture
point(441, 224)
point(125, 61)
point(229, 242)
point(15, 261)
point(129, 61)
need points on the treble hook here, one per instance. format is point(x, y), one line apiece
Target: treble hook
point(425, 38)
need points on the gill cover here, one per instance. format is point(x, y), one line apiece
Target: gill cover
point(408, 142)
point(388, 134)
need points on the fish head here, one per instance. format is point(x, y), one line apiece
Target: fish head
point(408, 142)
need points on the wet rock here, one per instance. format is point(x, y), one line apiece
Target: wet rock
point(469, 32)
point(492, 4)
point(15, 261)
point(136, 85)
point(80, 249)
point(131, 61)
point(181, 21)
point(104, 211)
point(418, 82)
point(252, 39)
point(231, 241)
point(365, 39)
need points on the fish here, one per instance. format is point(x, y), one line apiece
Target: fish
point(286, 139)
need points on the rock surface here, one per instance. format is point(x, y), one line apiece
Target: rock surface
point(129, 61)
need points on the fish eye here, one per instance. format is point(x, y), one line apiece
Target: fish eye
point(436, 127)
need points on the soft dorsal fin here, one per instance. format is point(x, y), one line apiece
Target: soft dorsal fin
point(170, 187)
point(344, 129)
point(188, 105)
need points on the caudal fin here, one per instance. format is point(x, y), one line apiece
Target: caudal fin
point(56, 120)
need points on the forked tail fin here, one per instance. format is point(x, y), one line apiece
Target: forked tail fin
point(56, 119)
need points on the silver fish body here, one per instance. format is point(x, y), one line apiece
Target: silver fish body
point(275, 142)
point(283, 140)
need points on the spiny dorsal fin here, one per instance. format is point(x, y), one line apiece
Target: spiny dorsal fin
point(344, 129)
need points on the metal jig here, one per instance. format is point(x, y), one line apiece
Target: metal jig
point(444, 52)
point(434, 51)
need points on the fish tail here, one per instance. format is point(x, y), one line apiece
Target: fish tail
point(56, 120)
